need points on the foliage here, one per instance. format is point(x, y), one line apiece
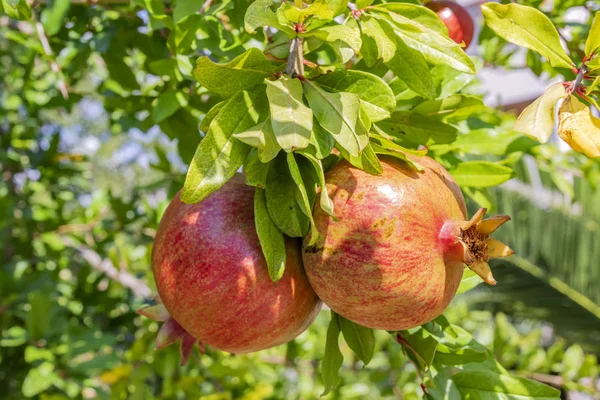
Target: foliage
point(79, 214)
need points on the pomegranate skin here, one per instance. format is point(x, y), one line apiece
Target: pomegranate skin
point(456, 18)
point(383, 264)
point(213, 280)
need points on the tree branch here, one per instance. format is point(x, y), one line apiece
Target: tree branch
point(62, 86)
point(295, 63)
point(105, 266)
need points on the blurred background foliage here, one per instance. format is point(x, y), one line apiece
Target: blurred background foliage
point(98, 119)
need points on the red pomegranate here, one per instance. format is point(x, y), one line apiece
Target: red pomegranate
point(456, 18)
point(395, 257)
point(213, 281)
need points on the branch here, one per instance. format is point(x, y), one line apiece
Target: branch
point(62, 86)
point(105, 266)
point(205, 6)
point(295, 63)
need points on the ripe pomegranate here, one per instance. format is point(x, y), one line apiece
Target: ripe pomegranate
point(456, 18)
point(395, 257)
point(213, 281)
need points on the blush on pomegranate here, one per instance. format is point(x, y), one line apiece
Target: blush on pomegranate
point(456, 18)
point(213, 281)
point(395, 257)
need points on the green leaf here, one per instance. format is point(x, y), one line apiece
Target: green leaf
point(167, 104)
point(210, 115)
point(360, 4)
point(259, 14)
point(156, 9)
point(263, 138)
point(333, 358)
point(410, 66)
point(486, 141)
point(256, 171)
point(480, 174)
point(284, 209)
point(367, 161)
point(594, 64)
point(527, 27)
point(449, 81)
point(360, 339)
point(338, 113)
point(186, 8)
point(17, 9)
point(456, 346)
point(318, 8)
point(243, 72)
point(417, 128)
point(537, 119)
point(347, 33)
point(436, 48)
point(325, 201)
point(306, 203)
point(488, 384)
point(377, 97)
point(469, 281)
point(39, 379)
point(593, 40)
point(219, 155)
point(39, 317)
point(53, 16)
point(441, 386)
point(369, 51)
point(13, 337)
point(418, 13)
point(290, 118)
point(182, 126)
point(419, 346)
point(271, 239)
point(321, 140)
point(389, 148)
point(385, 45)
point(458, 106)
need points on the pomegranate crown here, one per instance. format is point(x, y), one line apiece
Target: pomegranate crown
point(170, 332)
point(476, 246)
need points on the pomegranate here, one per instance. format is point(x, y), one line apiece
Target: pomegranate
point(213, 281)
point(456, 18)
point(395, 257)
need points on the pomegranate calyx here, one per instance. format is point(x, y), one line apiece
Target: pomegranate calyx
point(157, 312)
point(477, 246)
point(170, 332)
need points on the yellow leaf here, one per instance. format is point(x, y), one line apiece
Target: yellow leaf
point(537, 119)
point(579, 128)
point(116, 374)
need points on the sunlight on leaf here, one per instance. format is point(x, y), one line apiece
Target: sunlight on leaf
point(578, 127)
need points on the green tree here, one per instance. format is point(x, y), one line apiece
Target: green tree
point(104, 108)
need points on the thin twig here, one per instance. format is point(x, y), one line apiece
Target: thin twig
point(295, 64)
point(205, 6)
point(62, 86)
point(105, 266)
